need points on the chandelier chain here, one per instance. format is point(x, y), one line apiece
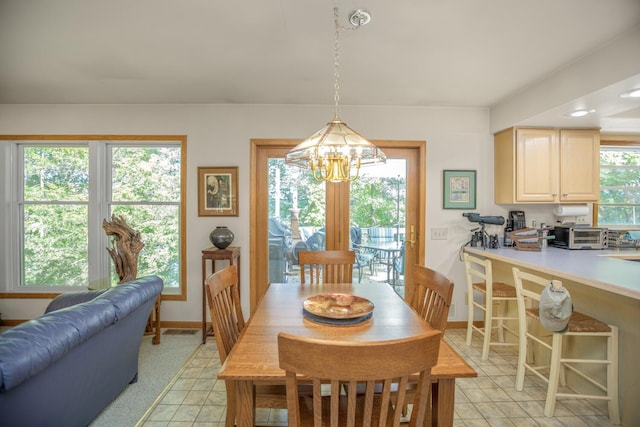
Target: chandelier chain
point(336, 152)
point(336, 64)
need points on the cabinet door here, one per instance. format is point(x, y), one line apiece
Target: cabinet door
point(579, 165)
point(537, 165)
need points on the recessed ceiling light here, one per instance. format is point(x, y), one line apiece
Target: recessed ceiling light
point(633, 93)
point(580, 113)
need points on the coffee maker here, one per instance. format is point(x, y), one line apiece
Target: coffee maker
point(515, 221)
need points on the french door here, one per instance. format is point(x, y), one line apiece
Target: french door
point(323, 216)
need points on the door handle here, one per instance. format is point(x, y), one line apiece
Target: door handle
point(412, 237)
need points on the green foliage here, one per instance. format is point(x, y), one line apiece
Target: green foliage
point(56, 173)
point(150, 174)
point(145, 174)
point(161, 253)
point(619, 186)
point(375, 202)
point(145, 191)
point(294, 186)
point(56, 245)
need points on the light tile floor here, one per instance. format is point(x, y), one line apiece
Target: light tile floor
point(196, 398)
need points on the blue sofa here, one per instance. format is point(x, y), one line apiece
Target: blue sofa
point(64, 367)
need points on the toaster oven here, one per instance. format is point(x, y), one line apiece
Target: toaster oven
point(572, 237)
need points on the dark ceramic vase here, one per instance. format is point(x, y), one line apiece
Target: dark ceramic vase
point(221, 237)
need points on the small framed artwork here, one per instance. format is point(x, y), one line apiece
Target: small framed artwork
point(218, 191)
point(459, 190)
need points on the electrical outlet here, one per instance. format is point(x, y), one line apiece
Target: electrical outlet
point(582, 219)
point(439, 233)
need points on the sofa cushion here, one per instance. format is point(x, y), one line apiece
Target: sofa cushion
point(73, 298)
point(129, 296)
point(32, 346)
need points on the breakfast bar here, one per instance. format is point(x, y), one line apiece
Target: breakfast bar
point(604, 284)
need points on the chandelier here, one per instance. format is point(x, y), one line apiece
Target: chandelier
point(336, 152)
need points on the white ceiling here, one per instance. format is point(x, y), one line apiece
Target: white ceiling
point(414, 53)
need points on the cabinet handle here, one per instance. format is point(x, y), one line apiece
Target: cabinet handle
point(554, 194)
point(565, 194)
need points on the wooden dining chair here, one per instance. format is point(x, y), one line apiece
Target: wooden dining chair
point(432, 295)
point(431, 299)
point(228, 322)
point(357, 365)
point(326, 266)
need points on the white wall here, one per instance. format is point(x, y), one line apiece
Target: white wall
point(219, 135)
point(587, 81)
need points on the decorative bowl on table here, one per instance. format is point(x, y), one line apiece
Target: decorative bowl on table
point(338, 307)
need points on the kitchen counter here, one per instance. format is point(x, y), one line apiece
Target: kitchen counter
point(609, 270)
point(604, 284)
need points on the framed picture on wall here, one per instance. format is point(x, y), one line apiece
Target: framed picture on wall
point(459, 190)
point(218, 191)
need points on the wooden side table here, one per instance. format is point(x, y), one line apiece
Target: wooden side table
point(232, 255)
point(153, 323)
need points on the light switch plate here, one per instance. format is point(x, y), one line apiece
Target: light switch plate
point(439, 233)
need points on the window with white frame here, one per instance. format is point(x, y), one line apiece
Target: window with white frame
point(62, 190)
point(53, 214)
point(619, 203)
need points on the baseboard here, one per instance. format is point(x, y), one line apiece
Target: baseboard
point(182, 324)
point(11, 322)
point(463, 324)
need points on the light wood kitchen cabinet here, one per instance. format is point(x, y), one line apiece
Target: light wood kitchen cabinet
point(540, 165)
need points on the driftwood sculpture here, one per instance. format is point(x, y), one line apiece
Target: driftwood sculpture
point(124, 253)
point(126, 247)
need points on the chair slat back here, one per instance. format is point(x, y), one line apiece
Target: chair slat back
point(479, 271)
point(326, 266)
point(381, 234)
point(432, 296)
point(532, 291)
point(372, 365)
point(223, 298)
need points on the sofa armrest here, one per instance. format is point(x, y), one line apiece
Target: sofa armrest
point(72, 298)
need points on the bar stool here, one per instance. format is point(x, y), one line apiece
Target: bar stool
point(495, 294)
point(580, 325)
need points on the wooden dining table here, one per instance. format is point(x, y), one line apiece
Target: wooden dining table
point(254, 358)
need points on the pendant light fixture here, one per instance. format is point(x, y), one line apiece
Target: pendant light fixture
point(336, 152)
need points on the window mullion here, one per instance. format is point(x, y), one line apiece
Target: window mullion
point(99, 163)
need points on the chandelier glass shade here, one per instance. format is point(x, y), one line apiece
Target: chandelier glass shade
point(336, 152)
